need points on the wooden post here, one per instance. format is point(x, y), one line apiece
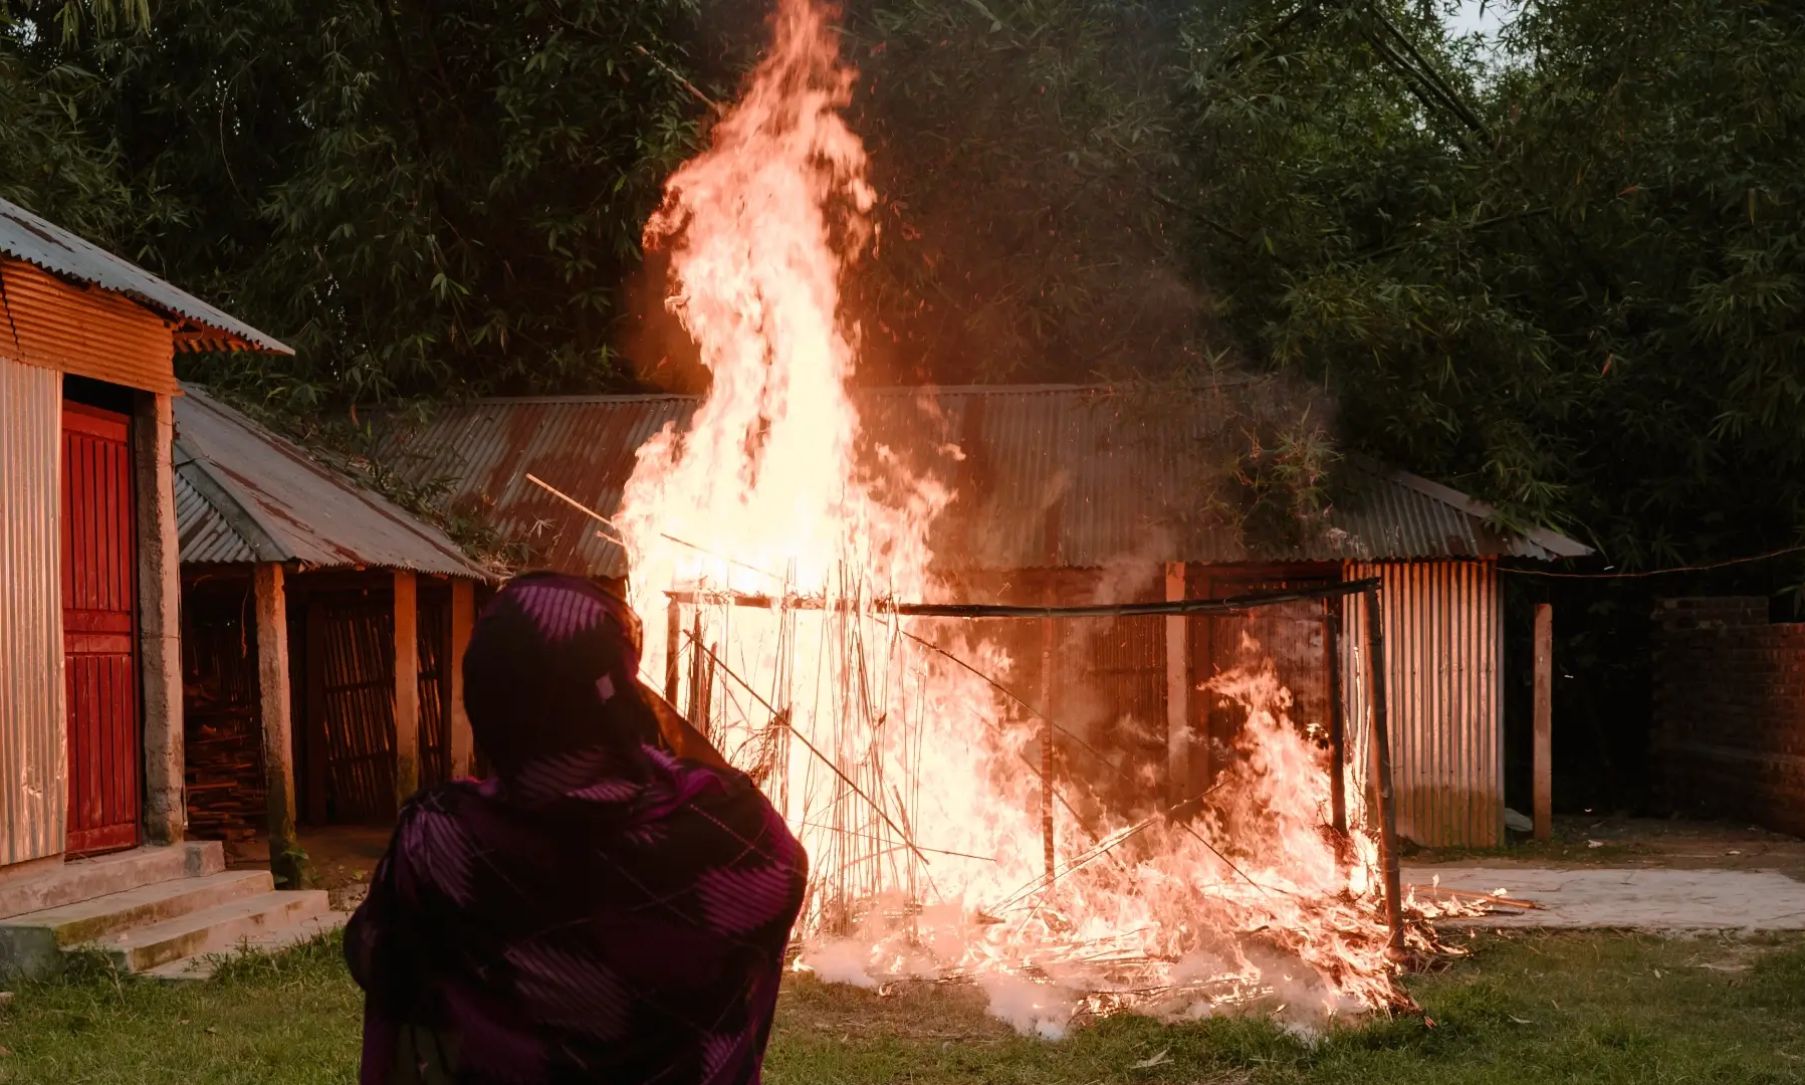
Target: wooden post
point(694, 709)
point(278, 726)
point(1049, 640)
point(463, 620)
point(1544, 722)
point(407, 688)
point(1337, 726)
point(673, 635)
point(1178, 692)
point(1387, 801)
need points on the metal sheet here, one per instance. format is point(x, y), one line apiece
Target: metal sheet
point(245, 494)
point(1078, 476)
point(41, 242)
point(206, 538)
point(88, 332)
point(586, 447)
point(1444, 633)
point(33, 781)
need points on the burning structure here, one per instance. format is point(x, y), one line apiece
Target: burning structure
point(1172, 860)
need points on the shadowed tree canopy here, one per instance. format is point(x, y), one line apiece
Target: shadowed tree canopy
point(1563, 273)
point(420, 197)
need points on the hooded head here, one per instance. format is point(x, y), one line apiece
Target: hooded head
point(551, 687)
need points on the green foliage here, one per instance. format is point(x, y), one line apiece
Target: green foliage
point(1572, 290)
point(1566, 276)
point(417, 199)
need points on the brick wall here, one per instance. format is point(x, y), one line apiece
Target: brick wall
point(1729, 705)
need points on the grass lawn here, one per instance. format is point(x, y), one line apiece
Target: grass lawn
point(1524, 1009)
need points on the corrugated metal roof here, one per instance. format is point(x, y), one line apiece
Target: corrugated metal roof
point(1058, 475)
point(38, 241)
point(206, 538)
point(585, 447)
point(244, 494)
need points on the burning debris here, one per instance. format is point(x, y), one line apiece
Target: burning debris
point(922, 785)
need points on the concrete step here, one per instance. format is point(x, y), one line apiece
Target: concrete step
point(272, 940)
point(218, 929)
point(84, 879)
point(29, 943)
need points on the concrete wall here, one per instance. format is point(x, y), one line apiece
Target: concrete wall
point(1729, 704)
point(159, 620)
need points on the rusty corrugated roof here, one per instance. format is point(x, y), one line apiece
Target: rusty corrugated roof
point(1065, 475)
point(37, 240)
point(244, 494)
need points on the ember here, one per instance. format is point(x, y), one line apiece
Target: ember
point(887, 739)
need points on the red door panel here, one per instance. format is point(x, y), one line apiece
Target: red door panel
point(99, 630)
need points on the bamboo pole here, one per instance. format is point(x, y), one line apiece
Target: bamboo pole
point(407, 687)
point(1387, 802)
point(1049, 641)
point(1178, 691)
point(1231, 604)
point(1337, 722)
point(673, 631)
point(463, 623)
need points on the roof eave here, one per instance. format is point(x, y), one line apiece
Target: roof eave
point(194, 337)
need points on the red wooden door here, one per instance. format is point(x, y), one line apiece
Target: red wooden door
point(100, 630)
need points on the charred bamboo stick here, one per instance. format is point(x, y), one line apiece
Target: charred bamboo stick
point(1387, 800)
point(782, 719)
point(1231, 604)
point(622, 543)
point(1048, 664)
point(1337, 724)
point(673, 632)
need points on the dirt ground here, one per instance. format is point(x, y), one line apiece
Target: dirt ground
point(341, 858)
point(1639, 874)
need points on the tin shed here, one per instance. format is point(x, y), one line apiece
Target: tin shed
point(90, 703)
point(321, 629)
point(1082, 493)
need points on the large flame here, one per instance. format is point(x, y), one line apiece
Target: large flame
point(910, 778)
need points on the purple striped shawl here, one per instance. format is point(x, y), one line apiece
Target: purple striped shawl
point(600, 911)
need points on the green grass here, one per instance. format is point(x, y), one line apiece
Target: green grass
point(1524, 1009)
point(1557, 852)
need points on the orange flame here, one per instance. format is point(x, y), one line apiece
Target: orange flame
point(903, 774)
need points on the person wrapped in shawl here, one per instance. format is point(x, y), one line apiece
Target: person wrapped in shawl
point(612, 906)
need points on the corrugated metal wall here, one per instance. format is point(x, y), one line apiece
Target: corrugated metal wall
point(85, 331)
point(1444, 653)
point(33, 787)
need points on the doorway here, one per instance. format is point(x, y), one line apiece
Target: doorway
point(100, 618)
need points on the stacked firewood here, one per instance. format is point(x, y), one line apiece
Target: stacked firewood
point(225, 769)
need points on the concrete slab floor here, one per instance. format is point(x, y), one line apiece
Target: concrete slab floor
point(1637, 899)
